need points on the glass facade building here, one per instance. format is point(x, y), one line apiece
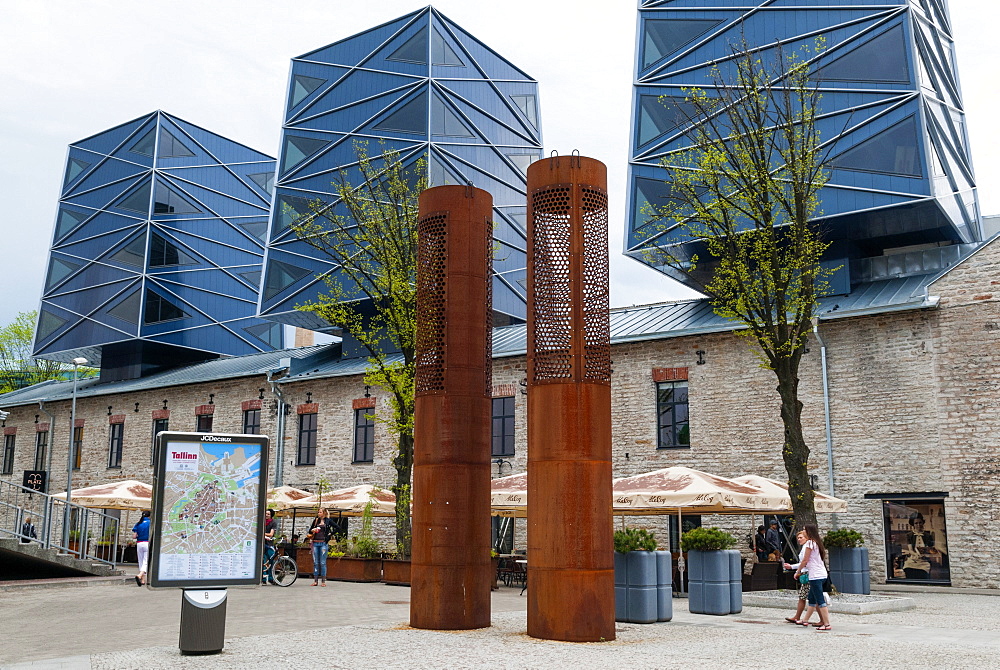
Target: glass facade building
point(901, 199)
point(157, 252)
point(423, 87)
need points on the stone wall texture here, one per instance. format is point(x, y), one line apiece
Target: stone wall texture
point(914, 400)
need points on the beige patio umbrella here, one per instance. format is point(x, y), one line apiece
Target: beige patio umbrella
point(668, 490)
point(773, 487)
point(509, 495)
point(351, 501)
point(282, 497)
point(127, 495)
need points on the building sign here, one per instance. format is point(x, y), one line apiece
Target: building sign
point(208, 509)
point(34, 480)
point(916, 541)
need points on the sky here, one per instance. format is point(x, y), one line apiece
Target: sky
point(71, 69)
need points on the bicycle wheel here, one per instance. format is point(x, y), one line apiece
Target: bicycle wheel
point(284, 572)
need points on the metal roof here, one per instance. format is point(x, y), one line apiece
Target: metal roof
point(628, 324)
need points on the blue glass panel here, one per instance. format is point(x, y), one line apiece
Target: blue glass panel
point(410, 118)
point(128, 309)
point(73, 169)
point(165, 253)
point(48, 323)
point(59, 269)
point(442, 53)
point(171, 147)
point(269, 333)
point(159, 309)
point(302, 87)
point(894, 151)
point(146, 144)
point(665, 36)
point(168, 201)
point(446, 122)
point(137, 201)
point(528, 107)
point(659, 115)
point(280, 276)
point(883, 58)
point(265, 180)
point(107, 141)
point(413, 50)
point(133, 253)
point(297, 149)
point(67, 220)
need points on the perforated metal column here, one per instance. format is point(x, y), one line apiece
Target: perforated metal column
point(450, 562)
point(570, 550)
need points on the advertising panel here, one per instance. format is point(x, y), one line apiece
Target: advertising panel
point(209, 494)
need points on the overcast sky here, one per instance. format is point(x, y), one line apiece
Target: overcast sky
point(71, 68)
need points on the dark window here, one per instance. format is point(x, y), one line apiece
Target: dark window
point(892, 151)
point(73, 168)
point(916, 541)
point(168, 201)
point(159, 425)
point(410, 118)
point(271, 333)
point(159, 309)
point(8, 454)
point(297, 149)
point(171, 147)
point(251, 422)
point(266, 182)
point(280, 276)
point(503, 426)
point(205, 423)
point(41, 447)
point(665, 36)
point(364, 436)
point(133, 253)
point(672, 415)
point(414, 50)
point(128, 308)
point(77, 446)
point(526, 103)
point(146, 144)
point(137, 201)
point(302, 86)
point(880, 59)
point(442, 53)
point(162, 252)
point(659, 115)
point(115, 443)
point(307, 440)
point(67, 221)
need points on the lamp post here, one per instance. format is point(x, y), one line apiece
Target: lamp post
point(77, 362)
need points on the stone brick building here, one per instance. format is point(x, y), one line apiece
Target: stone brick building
point(913, 388)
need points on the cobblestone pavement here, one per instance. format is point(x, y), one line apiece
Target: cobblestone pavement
point(364, 625)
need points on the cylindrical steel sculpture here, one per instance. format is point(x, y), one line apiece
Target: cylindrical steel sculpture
point(571, 593)
point(450, 561)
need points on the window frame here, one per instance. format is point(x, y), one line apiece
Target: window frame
point(247, 425)
point(201, 419)
point(305, 453)
point(116, 443)
point(507, 441)
point(9, 442)
point(365, 430)
point(77, 447)
point(671, 406)
point(41, 449)
point(152, 440)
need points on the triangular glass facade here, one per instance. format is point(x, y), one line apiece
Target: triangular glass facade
point(156, 200)
point(427, 89)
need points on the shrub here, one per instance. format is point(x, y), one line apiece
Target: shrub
point(634, 539)
point(845, 538)
point(706, 539)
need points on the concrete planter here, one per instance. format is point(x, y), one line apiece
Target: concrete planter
point(715, 582)
point(664, 587)
point(636, 587)
point(849, 569)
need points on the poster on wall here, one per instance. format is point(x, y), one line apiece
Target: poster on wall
point(208, 510)
point(916, 541)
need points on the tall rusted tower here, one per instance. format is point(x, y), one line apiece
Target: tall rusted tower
point(450, 566)
point(570, 546)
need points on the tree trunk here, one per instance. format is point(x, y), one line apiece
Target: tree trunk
point(795, 452)
point(404, 473)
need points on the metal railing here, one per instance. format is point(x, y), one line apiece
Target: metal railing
point(30, 516)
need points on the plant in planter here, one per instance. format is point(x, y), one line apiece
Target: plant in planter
point(362, 560)
point(715, 581)
point(642, 578)
point(849, 568)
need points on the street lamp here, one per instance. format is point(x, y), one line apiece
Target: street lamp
point(69, 458)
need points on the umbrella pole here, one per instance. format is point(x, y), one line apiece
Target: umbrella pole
point(680, 550)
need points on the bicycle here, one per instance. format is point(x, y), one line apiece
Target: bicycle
point(282, 570)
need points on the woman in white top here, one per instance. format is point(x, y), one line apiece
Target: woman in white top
point(813, 562)
point(800, 607)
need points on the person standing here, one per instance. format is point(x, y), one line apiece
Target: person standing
point(28, 531)
point(813, 563)
point(761, 546)
point(269, 551)
point(321, 532)
point(774, 539)
point(140, 532)
point(803, 588)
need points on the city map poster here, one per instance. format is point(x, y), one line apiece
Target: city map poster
point(208, 511)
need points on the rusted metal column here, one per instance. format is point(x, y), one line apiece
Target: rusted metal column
point(571, 593)
point(450, 561)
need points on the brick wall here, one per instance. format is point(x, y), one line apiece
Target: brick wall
point(914, 399)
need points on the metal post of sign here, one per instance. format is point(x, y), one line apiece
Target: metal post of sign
point(203, 621)
point(70, 458)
